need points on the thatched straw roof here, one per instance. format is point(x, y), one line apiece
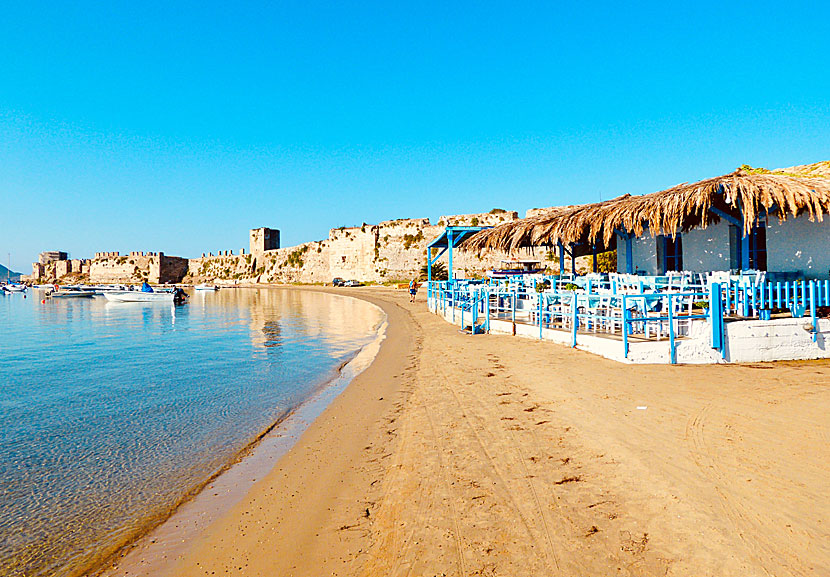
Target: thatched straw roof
point(746, 194)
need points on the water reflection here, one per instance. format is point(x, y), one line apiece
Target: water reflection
point(112, 411)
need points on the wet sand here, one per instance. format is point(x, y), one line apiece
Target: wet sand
point(494, 455)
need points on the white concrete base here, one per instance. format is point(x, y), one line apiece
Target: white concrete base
point(746, 341)
point(776, 340)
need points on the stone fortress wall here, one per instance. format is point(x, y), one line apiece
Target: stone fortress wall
point(391, 251)
point(113, 267)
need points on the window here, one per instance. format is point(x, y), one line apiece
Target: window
point(758, 247)
point(670, 253)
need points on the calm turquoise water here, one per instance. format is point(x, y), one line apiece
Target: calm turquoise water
point(110, 413)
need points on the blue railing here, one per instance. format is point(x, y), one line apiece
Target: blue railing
point(651, 309)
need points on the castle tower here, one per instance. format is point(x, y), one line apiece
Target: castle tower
point(263, 239)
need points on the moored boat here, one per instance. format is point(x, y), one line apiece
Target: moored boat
point(68, 294)
point(206, 287)
point(140, 297)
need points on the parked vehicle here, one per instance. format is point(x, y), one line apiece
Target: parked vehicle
point(352, 283)
point(337, 281)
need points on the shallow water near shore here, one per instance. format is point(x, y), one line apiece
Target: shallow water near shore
point(112, 413)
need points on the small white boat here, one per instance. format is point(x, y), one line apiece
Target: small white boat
point(140, 297)
point(206, 287)
point(16, 288)
point(69, 294)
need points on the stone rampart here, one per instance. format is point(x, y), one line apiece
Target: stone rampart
point(495, 217)
point(154, 267)
point(391, 251)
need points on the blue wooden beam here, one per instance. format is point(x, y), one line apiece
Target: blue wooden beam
point(437, 256)
point(726, 216)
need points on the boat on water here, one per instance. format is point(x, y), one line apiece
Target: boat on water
point(206, 287)
point(139, 297)
point(15, 288)
point(69, 294)
point(146, 294)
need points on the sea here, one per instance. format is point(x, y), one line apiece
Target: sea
point(114, 414)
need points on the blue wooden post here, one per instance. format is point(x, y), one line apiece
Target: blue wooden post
point(574, 321)
point(561, 259)
point(762, 290)
point(449, 244)
point(629, 252)
point(813, 317)
point(429, 275)
point(573, 260)
point(487, 318)
point(716, 316)
point(513, 300)
point(625, 327)
point(539, 297)
point(672, 350)
point(452, 302)
point(594, 253)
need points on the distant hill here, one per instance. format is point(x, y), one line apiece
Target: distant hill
point(4, 274)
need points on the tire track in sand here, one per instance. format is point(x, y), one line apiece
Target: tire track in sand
point(465, 409)
point(758, 546)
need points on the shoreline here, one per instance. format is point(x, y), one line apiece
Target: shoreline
point(455, 454)
point(150, 552)
point(504, 456)
point(325, 478)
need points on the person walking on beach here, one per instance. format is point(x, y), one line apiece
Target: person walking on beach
point(413, 289)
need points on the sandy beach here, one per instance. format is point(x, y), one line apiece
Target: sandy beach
point(494, 455)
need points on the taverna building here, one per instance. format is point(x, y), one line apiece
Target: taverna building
point(732, 268)
point(751, 219)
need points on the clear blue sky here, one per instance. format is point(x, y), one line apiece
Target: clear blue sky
point(178, 126)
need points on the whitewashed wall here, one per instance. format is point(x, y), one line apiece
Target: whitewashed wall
point(798, 244)
point(644, 251)
point(706, 249)
point(622, 251)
